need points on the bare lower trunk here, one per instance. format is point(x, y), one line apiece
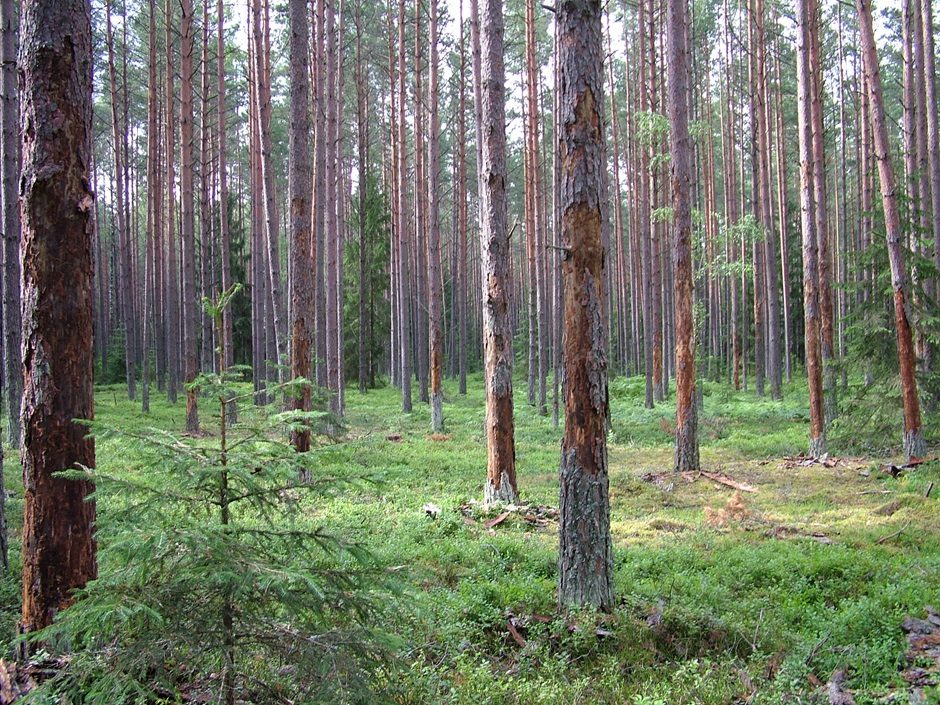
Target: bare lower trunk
point(187, 216)
point(497, 334)
point(301, 279)
point(687, 455)
point(914, 445)
point(55, 68)
point(817, 433)
point(585, 562)
point(435, 288)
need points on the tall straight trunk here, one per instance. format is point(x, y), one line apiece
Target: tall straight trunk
point(621, 296)
point(331, 223)
point(933, 127)
point(782, 220)
point(655, 253)
point(643, 217)
point(228, 346)
point(9, 183)
point(808, 221)
point(362, 133)
point(188, 215)
point(822, 220)
point(534, 226)
point(421, 214)
point(154, 204)
point(125, 288)
point(55, 73)
point(495, 261)
point(435, 286)
point(677, 79)
point(461, 281)
point(171, 272)
point(914, 446)
point(769, 245)
point(585, 554)
point(404, 313)
point(263, 98)
point(301, 279)
point(755, 106)
point(206, 230)
point(320, 200)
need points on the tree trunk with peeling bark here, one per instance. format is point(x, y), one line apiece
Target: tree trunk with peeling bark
point(585, 562)
point(677, 79)
point(55, 68)
point(914, 445)
point(495, 244)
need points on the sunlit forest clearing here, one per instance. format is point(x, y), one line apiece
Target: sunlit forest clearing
point(722, 595)
point(472, 352)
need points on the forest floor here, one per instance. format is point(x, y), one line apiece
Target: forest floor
point(752, 583)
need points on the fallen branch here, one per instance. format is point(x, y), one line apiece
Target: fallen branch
point(727, 481)
point(896, 534)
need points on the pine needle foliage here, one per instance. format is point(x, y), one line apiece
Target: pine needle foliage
point(215, 584)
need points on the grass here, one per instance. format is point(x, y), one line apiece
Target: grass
point(813, 572)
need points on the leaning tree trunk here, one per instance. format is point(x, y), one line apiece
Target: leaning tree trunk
point(677, 75)
point(10, 163)
point(585, 561)
point(55, 67)
point(495, 244)
point(301, 278)
point(811, 313)
point(914, 446)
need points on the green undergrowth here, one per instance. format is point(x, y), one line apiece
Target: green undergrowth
point(722, 597)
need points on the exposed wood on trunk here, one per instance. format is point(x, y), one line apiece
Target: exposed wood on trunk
point(495, 244)
point(55, 68)
point(585, 562)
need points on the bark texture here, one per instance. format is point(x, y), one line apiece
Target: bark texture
point(301, 272)
point(435, 286)
point(687, 456)
point(495, 251)
point(817, 427)
point(585, 562)
point(55, 65)
point(914, 446)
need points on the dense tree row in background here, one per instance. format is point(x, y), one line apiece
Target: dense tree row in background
point(192, 162)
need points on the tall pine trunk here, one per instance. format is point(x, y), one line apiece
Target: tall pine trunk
point(435, 286)
point(677, 78)
point(55, 69)
point(495, 261)
point(914, 446)
point(585, 562)
point(301, 279)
